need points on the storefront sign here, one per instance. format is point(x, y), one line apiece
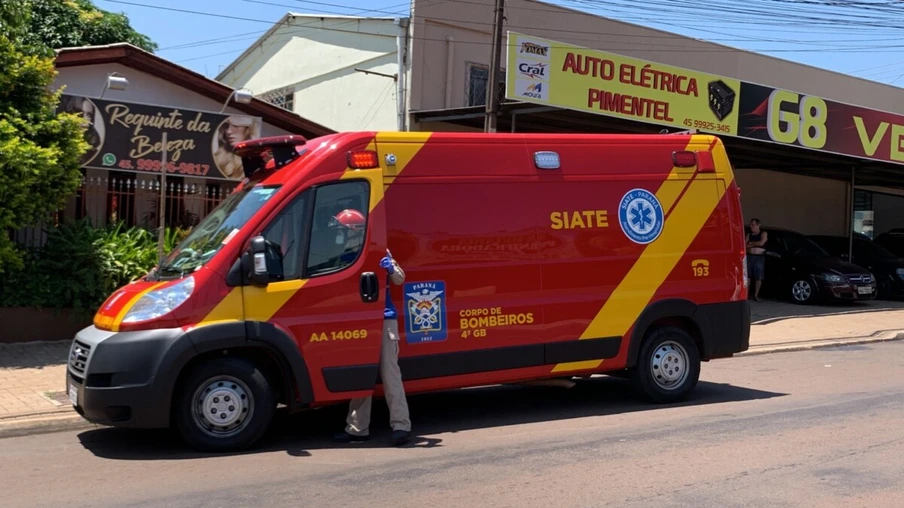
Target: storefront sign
point(790, 118)
point(571, 77)
point(127, 136)
point(547, 72)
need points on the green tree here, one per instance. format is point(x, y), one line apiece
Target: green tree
point(70, 23)
point(39, 149)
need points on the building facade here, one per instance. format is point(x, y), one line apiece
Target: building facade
point(344, 72)
point(439, 67)
point(122, 171)
point(783, 184)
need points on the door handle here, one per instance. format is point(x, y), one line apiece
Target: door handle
point(370, 287)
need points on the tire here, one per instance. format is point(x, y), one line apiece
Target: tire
point(664, 347)
point(803, 292)
point(241, 395)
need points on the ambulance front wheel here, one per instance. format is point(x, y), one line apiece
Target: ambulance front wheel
point(668, 366)
point(224, 404)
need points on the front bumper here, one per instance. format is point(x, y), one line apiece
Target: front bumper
point(847, 292)
point(121, 379)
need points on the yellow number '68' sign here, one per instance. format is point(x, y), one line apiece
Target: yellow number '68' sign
point(807, 126)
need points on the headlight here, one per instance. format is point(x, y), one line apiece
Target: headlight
point(833, 278)
point(900, 272)
point(160, 302)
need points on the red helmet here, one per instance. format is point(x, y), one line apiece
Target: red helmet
point(351, 219)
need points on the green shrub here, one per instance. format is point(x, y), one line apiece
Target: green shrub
point(80, 265)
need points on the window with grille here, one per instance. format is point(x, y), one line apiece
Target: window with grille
point(478, 75)
point(283, 98)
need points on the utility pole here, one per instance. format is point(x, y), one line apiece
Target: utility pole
point(492, 108)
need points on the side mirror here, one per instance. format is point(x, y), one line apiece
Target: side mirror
point(260, 274)
point(370, 287)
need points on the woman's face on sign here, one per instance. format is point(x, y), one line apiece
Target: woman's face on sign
point(87, 111)
point(236, 133)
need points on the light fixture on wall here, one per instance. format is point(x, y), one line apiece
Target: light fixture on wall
point(114, 82)
point(239, 96)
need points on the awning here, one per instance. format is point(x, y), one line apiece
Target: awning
point(744, 153)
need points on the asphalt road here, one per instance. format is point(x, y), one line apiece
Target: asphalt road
point(815, 428)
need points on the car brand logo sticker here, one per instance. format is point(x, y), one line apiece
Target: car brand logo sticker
point(640, 216)
point(425, 312)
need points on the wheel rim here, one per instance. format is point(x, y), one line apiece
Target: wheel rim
point(222, 406)
point(801, 291)
point(669, 365)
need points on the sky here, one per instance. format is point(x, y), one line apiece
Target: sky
point(858, 38)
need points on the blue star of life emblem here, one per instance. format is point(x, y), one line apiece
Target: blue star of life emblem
point(641, 216)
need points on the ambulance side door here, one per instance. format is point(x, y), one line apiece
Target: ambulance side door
point(328, 294)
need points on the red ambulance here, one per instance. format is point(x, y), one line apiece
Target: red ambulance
point(526, 256)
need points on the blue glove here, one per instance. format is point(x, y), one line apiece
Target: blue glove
point(386, 264)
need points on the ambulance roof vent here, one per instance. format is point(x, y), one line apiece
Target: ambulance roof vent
point(546, 160)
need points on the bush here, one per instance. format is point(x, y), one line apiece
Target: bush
point(80, 265)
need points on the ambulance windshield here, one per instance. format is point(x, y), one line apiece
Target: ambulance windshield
point(213, 232)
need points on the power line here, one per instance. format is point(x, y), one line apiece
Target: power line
point(882, 48)
point(596, 32)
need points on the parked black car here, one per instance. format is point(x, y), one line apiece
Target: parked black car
point(887, 267)
point(892, 241)
point(799, 269)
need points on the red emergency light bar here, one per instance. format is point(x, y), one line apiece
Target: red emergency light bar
point(703, 160)
point(363, 159)
point(271, 152)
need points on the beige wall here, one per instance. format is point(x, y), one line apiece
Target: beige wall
point(469, 24)
point(317, 57)
point(810, 205)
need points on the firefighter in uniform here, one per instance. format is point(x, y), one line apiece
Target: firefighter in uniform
point(351, 224)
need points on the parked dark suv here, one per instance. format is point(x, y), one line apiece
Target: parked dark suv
point(799, 269)
point(887, 267)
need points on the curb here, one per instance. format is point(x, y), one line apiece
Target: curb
point(824, 344)
point(42, 423)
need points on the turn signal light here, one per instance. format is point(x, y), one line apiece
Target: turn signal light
point(363, 159)
point(684, 159)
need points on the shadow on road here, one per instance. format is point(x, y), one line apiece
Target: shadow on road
point(770, 311)
point(33, 355)
point(431, 414)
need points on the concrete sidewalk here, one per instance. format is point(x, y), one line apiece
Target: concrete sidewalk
point(33, 389)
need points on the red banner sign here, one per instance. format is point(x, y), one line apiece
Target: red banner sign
point(808, 121)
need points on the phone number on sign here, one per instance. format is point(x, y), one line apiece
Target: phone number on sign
point(710, 126)
point(151, 165)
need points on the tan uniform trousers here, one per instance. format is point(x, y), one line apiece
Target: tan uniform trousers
point(359, 409)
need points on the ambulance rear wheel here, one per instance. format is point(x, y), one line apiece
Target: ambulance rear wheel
point(668, 367)
point(224, 404)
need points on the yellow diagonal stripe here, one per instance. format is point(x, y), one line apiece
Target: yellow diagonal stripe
point(229, 309)
point(659, 258)
point(262, 303)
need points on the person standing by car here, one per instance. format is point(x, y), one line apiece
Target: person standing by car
point(358, 419)
point(756, 256)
